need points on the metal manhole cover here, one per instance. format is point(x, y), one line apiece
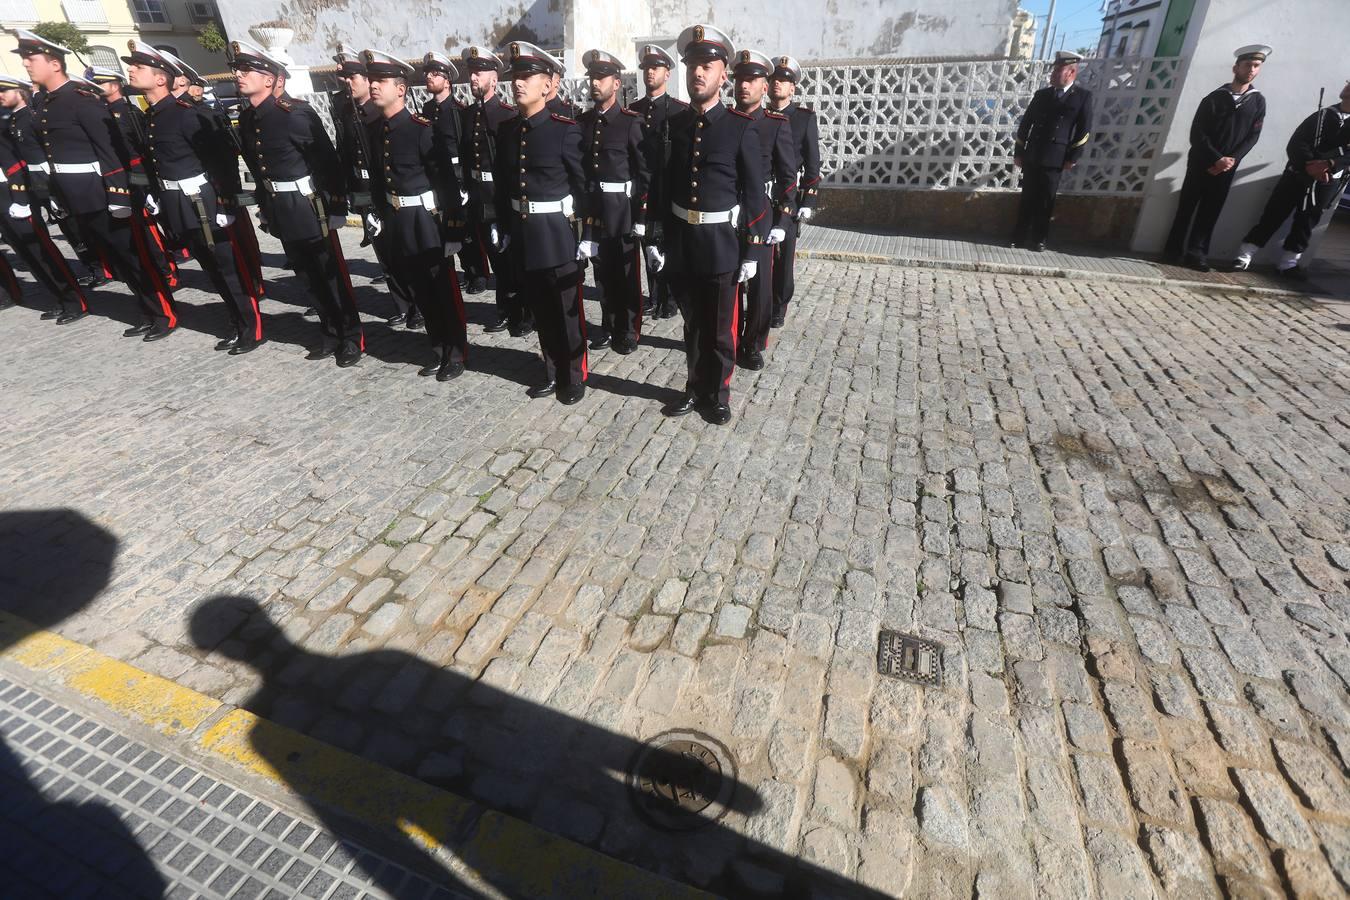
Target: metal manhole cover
point(910, 658)
point(682, 780)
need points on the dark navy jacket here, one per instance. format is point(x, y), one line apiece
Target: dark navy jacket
point(404, 164)
point(611, 151)
point(1224, 128)
point(447, 118)
point(656, 112)
point(184, 140)
point(75, 127)
point(539, 159)
point(1055, 130)
point(806, 141)
point(477, 152)
point(23, 134)
point(284, 140)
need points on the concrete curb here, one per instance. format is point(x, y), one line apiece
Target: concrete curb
point(496, 853)
point(992, 268)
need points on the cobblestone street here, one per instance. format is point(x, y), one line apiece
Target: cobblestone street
point(1123, 510)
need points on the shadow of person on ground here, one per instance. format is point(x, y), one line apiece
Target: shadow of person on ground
point(53, 563)
point(504, 751)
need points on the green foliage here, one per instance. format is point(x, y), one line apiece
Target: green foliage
point(63, 33)
point(211, 39)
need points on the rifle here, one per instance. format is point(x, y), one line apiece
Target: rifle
point(243, 198)
point(660, 177)
point(1310, 199)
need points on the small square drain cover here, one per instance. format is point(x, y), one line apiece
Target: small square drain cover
point(910, 658)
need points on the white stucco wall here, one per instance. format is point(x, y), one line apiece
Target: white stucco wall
point(1289, 79)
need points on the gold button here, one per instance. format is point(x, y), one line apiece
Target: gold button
point(693, 184)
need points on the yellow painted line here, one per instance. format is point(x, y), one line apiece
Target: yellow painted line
point(39, 651)
point(137, 695)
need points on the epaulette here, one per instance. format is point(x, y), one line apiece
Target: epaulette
point(806, 109)
point(563, 119)
point(504, 105)
point(186, 104)
point(285, 104)
point(629, 112)
point(775, 115)
point(420, 120)
point(741, 114)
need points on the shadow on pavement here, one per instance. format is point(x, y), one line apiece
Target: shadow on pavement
point(53, 563)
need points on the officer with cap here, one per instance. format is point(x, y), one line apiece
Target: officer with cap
point(616, 202)
point(656, 108)
point(89, 180)
point(541, 188)
point(787, 73)
point(478, 153)
point(714, 182)
point(1051, 137)
point(301, 195)
point(447, 120)
point(415, 195)
point(1225, 128)
point(196, 177)
point(1313, 179)
point(779, 164)
point(556, 103)
point(23, 227)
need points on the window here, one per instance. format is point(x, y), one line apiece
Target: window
point(84, 12)
point(18, 11)
point(104, 57)
point(201, 13)
point(149, 12)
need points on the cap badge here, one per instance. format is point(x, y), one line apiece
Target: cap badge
point(698, 32)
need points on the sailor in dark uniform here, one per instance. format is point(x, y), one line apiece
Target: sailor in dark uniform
point(1313, 179)
point(195, 173)
point(656, 109)
point(1051, 137)
point(615, 203)
point(778, 153)
point(415, 195)
point(89, 181)
point(715, 190)
point(301, 195)
point(447, 122)
point(541, 189)
point(23, 227)
point(1225, 129)
point(787, 73)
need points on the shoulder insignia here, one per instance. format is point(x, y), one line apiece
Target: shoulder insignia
point(563, 119)
point(741, 114)
point(420, 120)
point(628, 112)
point(284, 103)
point(504, 105)
point(186, 104)
point(773, 115)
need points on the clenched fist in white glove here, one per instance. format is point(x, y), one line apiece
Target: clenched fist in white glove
point(224, 219)
point(151, 204)
point(656, 260)
point(804, 214)
point(639, 230)
point(374, 224)
point(587, 250)
point(19, 211)
point(747, 271)
point(119, 212)
point(776, 236)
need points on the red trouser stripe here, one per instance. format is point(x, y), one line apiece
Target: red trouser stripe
point(458, 299)
point(637, 284)
point(246, 279)
point(581, 321)
point(152, 273)
point(58, 261)
point(346, 285)
point(735, 332)
point(153, 227)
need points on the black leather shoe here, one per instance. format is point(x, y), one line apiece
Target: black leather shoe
point(779, 319)
point(1014, 245)
point(432, 367)
point(67, 318)
point(571, 394)
point(310, 313)
point(624, 346)
point(415, 321)
point(649, 307)
point(451, 368)
point(320, 353)
point(668, 311)
point(137, 330)
point(1039, 246)
point(379, 279)
point(717, 414)
point(1198, 263)
point(228, 343)
point(752, 360)
point(395, 320)
point(476, 285)
point(1295, 273)
point(158, 333)
point(683, 407)
point(92, 280)
point(521, 329)
point(247, 347)
point(542, 390)
point(348, 357)
point(500, 325)
point(600, 341)
point(51, 314)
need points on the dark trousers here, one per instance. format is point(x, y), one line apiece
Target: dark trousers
point(430, 278)
point(784, 258)
point(512, 304)
point(226, 263)
point(325, 268)
point(1290, 196)
point(757, 299)
point(399, 289)
point(710, 305)
point(124, 244)
point(616, 272)
point(555, 295)
point(33, 244)
point(658, 288)
point(9, 281)
point(1202, 199)
point(85, 252)
point(1040, 184)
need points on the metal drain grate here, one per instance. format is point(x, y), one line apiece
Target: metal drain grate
point(682, 780)
point(910, 658)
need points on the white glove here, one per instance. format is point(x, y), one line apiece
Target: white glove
point(374, 224)
point(54, 209)
point(501, 242)
point(119, 212)
point(639, 230)
point(463, 198)
point(224, 219)
point(656, 260)
point(452, 247)
point(804, 213)
point(19, 211)
point(494, 236)
point(151, 204)
point(776, 236)
point(747, 270)
point(587, 250)
point(336, 222)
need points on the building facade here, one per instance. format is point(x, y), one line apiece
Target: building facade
point(1022, 35)
point(1132, 27)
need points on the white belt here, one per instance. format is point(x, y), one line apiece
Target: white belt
point(563, 206)
point(480, 176)
point(454, 160)
point(700, 217)
point(190, 186)
point(41, 167)
point(302, 186)
point(427, 200)
point(77, 168)
point(617, 187)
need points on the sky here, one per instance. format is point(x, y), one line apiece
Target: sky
point(1081, 20)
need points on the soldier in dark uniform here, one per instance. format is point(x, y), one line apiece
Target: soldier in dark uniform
point(195, 172)
point(354, 112)
point(556, 103)
point(89, 180)
point(416, 194)
point(300, 195)
point(447, 117)
point(778, 153)
point(1224, 130)
point(1313, 179)
point(656, 109)
point(540, 184)
point(23, 227)
point(714, 182)
point(1051, 137)
point(478, 152)
point(787, 73)
point(615, 203)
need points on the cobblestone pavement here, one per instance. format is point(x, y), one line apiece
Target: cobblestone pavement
point(1122, 509)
